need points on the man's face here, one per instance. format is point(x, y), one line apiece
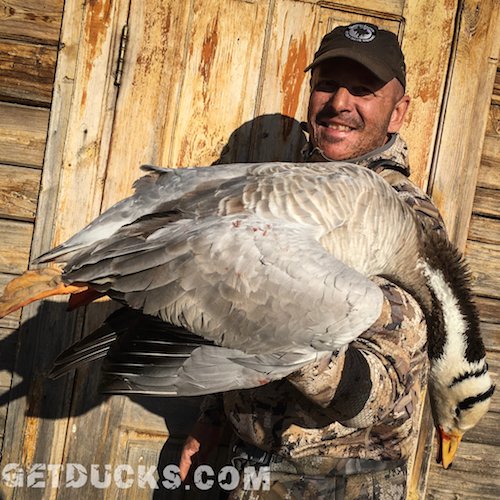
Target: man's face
point(351, 111)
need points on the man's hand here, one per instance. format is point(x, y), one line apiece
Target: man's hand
point(204, 438)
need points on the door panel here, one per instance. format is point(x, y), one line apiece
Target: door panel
point(203, 81)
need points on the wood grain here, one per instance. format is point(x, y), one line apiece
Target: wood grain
point(484, 229)
point(491, 147)
point(149, 93)
point(90, 33)
point(427, 63)
point(487, 202)
point(26, 72)
point(463, 128)
point(489, 172)
point(31, 20)
point(221, 72)
point(475, 475)
point(23, 132)
point(484, 261)
point(19, 192)
point(14, 246)
point(491, 334)
point(493, 123)
point(489, 309)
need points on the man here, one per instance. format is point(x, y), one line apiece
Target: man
point(344, 427)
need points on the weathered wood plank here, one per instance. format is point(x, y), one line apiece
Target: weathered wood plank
point(464, 124)
point(491, 335)
point(31, 20)
point(23, 132)
point(377, 7)
point(484, 260)
point(141, 449)
point(37, 426)
point(475, 475)
point(82, 171)
point(224, 54)
point(8, 343)
point(427, 59)
point(496, 89)
point(19, 192)
point(27, 73)
point(36, 421)
point(7, 358)
point(489, 309)
point(14, 246)
point(491, 147)
point(484, 229)
point(487, 202)
point(149, 92)
point(489, 173)
point(163, 416)
point(493, 123)
point(5, 333)
point(283, 85)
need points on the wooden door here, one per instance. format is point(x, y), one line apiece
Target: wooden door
point(201, 81)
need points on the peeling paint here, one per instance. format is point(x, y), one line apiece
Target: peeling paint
point(292, 79)
point(96, 27)
point(208, 50)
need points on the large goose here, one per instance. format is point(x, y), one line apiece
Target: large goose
point(255, 270)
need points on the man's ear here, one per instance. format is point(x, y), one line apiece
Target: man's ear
point(398, 114)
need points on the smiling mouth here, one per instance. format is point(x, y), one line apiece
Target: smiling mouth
point(337, 126)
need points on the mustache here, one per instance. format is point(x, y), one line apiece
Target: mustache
point(328, 113)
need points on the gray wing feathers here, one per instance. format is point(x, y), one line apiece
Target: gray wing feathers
point(154, 193)
point(242, 282)
point(262, 259)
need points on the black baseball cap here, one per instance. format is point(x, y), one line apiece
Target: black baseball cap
point(376, 49)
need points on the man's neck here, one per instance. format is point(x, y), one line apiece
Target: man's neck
point(313, 152)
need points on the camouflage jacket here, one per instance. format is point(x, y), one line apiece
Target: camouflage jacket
point(361, 405)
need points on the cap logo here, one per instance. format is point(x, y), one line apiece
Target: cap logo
point(360, 32)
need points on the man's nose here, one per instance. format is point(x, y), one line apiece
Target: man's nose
point(341, 99)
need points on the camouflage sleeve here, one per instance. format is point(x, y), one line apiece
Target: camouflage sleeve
point(423, 206)
point(212, 411)
point(363, 384)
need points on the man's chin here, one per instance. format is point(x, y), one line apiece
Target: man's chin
point(337, 154)
point(337, 148)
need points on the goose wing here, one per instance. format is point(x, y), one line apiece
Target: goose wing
point(251, 257)
point(241, 281)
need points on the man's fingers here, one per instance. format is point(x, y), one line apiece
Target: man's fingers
point(191, 446)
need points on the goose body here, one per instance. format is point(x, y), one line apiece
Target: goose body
point(260, 269)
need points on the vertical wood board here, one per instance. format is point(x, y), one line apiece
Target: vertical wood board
point(148, 93)
point(220, 79)
point(83, 170)
point(426, 45)
point(464, 124)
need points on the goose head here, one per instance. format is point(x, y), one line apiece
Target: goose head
point(460, 387)
point(459, 405)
